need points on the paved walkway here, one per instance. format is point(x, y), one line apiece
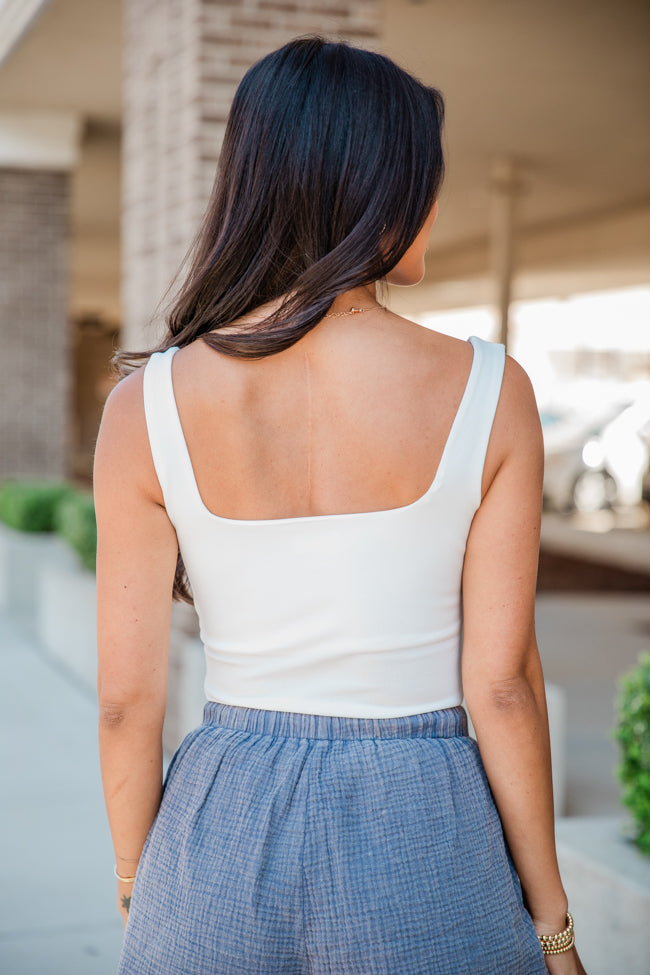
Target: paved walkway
point(586, 642)
point(57, 914)
point(56, 899)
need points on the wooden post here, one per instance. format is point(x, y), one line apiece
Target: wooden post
point(506, 186)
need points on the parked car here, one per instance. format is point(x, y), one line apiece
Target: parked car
point(596, 462)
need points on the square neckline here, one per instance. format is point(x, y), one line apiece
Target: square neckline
point(303, 519)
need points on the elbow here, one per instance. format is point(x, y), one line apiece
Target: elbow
point(512, 695)
point(123, 701)
point(115, 717)
point(112, 715)
point(117, 711)
point(508, 696)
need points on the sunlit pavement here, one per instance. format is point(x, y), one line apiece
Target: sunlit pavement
point(588, 639)
point(586, 642)
point(57, 915)
point(56, 900)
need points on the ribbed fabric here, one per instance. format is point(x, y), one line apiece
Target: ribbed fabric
point(372, 625)
point(292, 844)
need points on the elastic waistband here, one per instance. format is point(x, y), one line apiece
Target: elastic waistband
point(447, 723)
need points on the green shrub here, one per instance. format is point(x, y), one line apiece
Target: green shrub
point(30, 505)
point(633, 734)
point(75, 522)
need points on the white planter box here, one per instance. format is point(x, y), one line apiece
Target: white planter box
point(607, 881)
point(557, 723)
point(22, 556)
point(67, 619)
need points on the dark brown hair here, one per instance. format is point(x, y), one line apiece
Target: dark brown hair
point(331, 162)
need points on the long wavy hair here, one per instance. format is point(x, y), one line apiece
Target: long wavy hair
point(331, 162)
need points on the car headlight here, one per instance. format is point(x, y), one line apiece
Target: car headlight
point(593, 455)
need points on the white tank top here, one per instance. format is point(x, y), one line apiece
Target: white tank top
point(357, 615)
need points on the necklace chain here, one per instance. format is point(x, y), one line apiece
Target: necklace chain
point(350, 311)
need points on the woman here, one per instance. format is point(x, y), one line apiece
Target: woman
point(334, 476)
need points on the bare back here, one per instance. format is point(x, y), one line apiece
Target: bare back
point(354, 417)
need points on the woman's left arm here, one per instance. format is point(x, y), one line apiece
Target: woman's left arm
point(136, 561)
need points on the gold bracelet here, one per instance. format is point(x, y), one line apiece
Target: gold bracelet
point(556, 944)
point(125, 880)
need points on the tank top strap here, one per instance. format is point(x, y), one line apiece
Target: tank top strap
point(168, 448)
point(471, 432)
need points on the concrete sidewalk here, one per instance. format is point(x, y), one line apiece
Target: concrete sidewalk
point(57, 911)
point(587, 641)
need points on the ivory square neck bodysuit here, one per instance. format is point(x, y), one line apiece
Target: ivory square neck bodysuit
point(354, 614)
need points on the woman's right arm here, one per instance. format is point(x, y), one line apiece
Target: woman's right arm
point(502, 674)
point(136, 561)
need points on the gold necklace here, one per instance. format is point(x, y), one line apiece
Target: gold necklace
point(351, 311)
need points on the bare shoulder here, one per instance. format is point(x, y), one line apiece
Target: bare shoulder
point(123, 450)
point(438, 343)
point(517, 411)
point(123, 418)
point(516, 436)
point(125, 397)
point(436, 352)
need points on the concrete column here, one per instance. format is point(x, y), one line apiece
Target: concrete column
point(36, 154)
point(183, 61)
point(506, 186)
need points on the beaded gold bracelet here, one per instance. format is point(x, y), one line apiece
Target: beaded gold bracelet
point(556, 944)
point(125, 880)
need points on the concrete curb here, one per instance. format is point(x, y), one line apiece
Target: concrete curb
point(608, 885)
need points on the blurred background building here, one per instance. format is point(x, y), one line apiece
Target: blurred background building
point(111, 117)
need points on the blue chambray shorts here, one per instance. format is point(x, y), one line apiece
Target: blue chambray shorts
point(305, 845)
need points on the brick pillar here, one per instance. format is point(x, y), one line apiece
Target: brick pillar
point(35, 366)
point(183, 60)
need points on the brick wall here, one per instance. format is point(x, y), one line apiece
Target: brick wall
point(183, 60)
point(34, 337)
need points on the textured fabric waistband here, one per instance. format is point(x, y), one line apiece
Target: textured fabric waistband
point(447, 723)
